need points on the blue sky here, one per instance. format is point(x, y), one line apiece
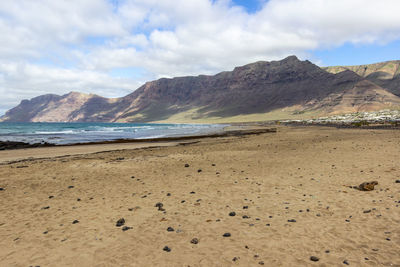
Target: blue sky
point(112, 47)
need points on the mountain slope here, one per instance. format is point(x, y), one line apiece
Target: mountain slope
point(385, 74)
point(292, 86)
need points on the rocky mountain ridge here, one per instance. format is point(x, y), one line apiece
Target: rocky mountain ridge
point(256, 91)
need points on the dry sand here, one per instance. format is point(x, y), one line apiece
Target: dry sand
point(299, 174)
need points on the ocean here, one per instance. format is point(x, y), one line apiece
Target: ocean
point(71, 133)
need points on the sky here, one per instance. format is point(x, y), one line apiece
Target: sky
point(112, 47)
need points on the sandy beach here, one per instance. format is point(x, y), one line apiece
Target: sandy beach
point(272, 199)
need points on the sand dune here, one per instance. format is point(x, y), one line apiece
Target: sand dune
point(289, 192)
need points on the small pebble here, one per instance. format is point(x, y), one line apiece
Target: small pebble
point(313, 258)
point(170, 229)
point(71, 186)
point(167, 249)
point(75, 221)
point(199, 170)
point(186, 165)
point(194, 241)
point(232, 213)
point(346, 262)
point(226, 235)
point(120, 222)
point(397, 181)
point(126, 228)
point(261, 262)
point(292, 220)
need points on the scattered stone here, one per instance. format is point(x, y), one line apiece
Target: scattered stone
point(78, 199)
point(313, 258)
point(46, 208)
point(126, 228)
point(2, 189)
point(245, 207)
point(327, 251)
point(159, 205)
point(268, 224)
point(232, 213)
point(213, 164)
point(366, 211)
point(120, 222)
point(75, 222)
point(170, 229)
point(235, 259)
point(192, 192)
point(45, 232)
point(199, 170)
point(261, 262)
point(292, 220)
point(186, 165)
point(346, 262)
point(397, 182)
point(71, 186)
point(245, 217)
point(168, 194)
point(367, 186)
point(167, 249)
point(51, 197)
point(194, 241)
point(226, 235)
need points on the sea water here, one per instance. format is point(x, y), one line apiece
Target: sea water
point(71, 133)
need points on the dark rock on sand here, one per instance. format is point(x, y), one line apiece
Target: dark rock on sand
point(167, 249)
point(159, 205)
point(120, 222)
point(71, 186)
point(226, 235)
point(346, 262)
point(194, 241)
point(75, 222)
point(397, 181)
point(51, 197)
point(313, 258)
point(46, 208)
point(291, 220)
point(245, 207)
point(170, 229)
point(199, 170)
point(126, 228)
point(186, 165)
point(2, 189)
point(232, 213)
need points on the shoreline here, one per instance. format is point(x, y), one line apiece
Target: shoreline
point(27, 152)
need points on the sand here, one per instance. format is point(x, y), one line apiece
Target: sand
point(289, 191)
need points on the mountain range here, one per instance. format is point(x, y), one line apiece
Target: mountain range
point(286, 89)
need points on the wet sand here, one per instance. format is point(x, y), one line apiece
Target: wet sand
point(273, 199)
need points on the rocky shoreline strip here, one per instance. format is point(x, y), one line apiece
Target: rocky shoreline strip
point(9, 145)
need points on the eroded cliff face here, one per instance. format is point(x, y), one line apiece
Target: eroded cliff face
point(256, 88)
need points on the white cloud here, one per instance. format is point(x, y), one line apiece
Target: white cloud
point(77, 43)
